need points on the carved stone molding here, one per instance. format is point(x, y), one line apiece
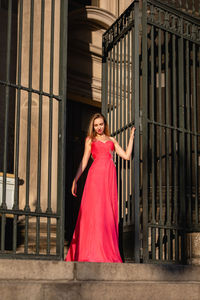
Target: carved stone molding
point(92, 14)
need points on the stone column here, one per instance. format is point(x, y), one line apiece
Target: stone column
point(111, 6)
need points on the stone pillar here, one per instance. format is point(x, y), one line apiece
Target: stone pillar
point(116, 7)
point(35, 104)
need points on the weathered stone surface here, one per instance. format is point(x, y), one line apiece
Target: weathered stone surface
point(36, 270)
point(136, 272)
point(124, 290)
point(137, 291)
point(193, 242)
point(70, 291)
point(62, 271)
point(48, 280)
point(20, 291)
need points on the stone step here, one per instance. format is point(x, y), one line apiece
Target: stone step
point(52, 280)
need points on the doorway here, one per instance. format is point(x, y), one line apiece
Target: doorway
point(78, 117)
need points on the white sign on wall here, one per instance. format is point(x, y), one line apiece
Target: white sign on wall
point(10, 188)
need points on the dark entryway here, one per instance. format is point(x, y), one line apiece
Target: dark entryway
point(78, 118)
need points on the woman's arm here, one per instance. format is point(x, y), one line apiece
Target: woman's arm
point(82, 165)
point(125, 154)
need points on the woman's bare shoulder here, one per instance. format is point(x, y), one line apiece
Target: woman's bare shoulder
point(88, 140)
point(112, 139)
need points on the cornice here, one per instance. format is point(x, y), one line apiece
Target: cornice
point(92, 14)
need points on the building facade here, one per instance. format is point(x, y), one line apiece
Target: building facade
point(50, 84)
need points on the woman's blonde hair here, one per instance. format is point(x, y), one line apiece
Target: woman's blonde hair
point(91, 131)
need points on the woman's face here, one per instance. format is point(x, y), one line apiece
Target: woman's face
point(99, 126)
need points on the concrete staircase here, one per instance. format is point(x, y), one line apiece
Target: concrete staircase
point(50, 280)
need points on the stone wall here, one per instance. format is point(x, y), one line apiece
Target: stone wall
point(41, 280)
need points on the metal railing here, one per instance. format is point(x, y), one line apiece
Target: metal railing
point(37, 222)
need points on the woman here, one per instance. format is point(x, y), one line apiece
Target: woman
point(95, 238)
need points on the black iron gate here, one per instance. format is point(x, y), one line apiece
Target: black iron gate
point(33, 86)
point(121, 105)
point(151, 70)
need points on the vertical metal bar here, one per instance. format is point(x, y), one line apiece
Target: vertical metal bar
point(153, 149)
point(167, 137)
point(38, 206)
point(120, 184)
point(7, 101)
point(104, 99)
point(175, 143)
point(3, 225)
point(114, 98)
point(124, 135)
point(128, 76)
point(182, 138)
point(18, 106)
point(117, 136)
point(14, 234)
point(117, 89)
point(28, 152)
point(121, 87)
point(188, 147)
point(125, 166)
point(197, 109)
point(195, 105)
point(160, 137)
point(16, 197)
point(144, 131)
point(128, 121)
point(136, 100)
point(132, 117)
point(110, 88)
point(26, 234)
point(113, 105)
point(114, 109)
point(62, 127)
point(49, 210)
point(27, 207)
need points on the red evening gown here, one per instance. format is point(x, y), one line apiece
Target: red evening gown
point(95, 238)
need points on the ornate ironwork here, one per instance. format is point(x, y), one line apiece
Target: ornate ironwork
point(180, 23)
point(119, 27)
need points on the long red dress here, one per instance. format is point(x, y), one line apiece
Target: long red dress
point(95, 238)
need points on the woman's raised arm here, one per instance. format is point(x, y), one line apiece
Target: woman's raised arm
point(125, 154)
point(82, 165)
